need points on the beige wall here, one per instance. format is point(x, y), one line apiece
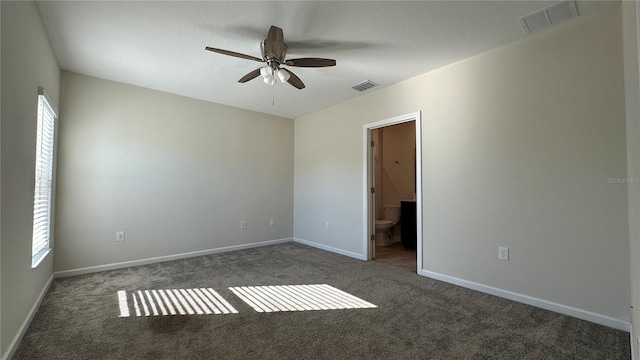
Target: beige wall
point(176, 174)
point(27, 62)
point(1, 347)
point(518, 145)
point(376, 135)
point(631, 36)
point(398, 172)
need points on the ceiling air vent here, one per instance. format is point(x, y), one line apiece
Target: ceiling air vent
point(365, 85)
point(551, 15)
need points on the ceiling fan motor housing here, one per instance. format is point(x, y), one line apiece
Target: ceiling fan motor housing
point(270, 53)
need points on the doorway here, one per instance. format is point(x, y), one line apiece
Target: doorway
point(385, 190)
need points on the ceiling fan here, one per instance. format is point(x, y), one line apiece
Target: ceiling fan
point(274, 51)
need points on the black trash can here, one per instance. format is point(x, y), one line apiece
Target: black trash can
point(408, 224)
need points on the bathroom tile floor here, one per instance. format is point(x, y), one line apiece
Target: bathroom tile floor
point(396, 255)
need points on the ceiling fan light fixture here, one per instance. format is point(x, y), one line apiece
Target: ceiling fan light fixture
point(270, 80)
point(266, 72)
point(283, 75)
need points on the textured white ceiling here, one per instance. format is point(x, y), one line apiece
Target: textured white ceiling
point(160, 45)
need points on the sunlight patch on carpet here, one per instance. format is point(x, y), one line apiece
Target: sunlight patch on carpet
point(202, 301)
point(298, 298)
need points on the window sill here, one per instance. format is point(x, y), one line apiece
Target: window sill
point(37, 259)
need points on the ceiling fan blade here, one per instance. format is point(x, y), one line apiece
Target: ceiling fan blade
point(274, 46)
point(294, 80)
point(310, 62)
point(250, 76)
point(234, 54)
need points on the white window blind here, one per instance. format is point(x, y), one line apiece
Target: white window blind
point(43, 194)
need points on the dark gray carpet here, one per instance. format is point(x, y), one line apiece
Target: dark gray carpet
point(416, 318)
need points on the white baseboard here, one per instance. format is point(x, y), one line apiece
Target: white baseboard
point(530, 300)
point(331, 249)
point(13, 345)
point(126, 264)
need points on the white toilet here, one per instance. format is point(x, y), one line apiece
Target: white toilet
point(384, 228)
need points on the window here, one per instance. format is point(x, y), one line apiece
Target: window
point(43, 193)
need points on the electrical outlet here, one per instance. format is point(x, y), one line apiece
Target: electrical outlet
point(503, 253)
point(119, 236)
point(327, 225)
point(243, 224)
point(272, 222)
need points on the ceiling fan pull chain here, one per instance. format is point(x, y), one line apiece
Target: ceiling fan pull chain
point(273, 98)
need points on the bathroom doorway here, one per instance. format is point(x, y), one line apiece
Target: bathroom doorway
point(393, 191)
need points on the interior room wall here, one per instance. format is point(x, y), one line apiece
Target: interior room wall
point(1, 348)
point(178, 175)
point(398, 170)
point(519, 148)
point(27, 62)
point(379, 183)
point(631, 36)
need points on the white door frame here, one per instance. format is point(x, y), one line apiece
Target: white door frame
point(367, 179)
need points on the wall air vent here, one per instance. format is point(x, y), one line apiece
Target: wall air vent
point(551, 15)
point(365, 85)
